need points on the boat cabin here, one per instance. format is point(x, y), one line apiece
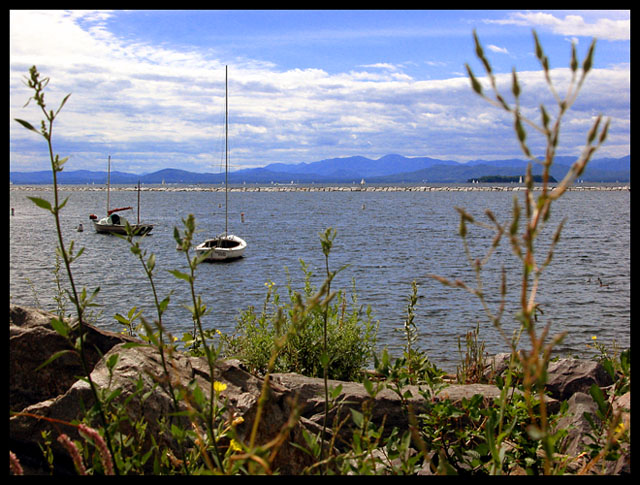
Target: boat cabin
point(220, 242)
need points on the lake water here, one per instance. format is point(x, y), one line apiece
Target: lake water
point(388, 239)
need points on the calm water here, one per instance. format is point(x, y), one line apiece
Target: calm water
point(388, 239)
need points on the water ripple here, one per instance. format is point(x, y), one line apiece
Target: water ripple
point(388, 239)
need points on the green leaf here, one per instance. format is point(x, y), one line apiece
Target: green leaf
point(515, 88)
point(335, 392)
point(522, 135)
point(151, 262)
point(476, 41)
point(130, 345)
point(121, 319)
point(27, 125)
point(53, 357)
point(594, 129)
point(477, 87)
point(63, 103)
point(180, 275)
point(368, 386)
point(132, 313)
point(163, 305)
point(599, 398)
point(60, 162)
point(545, 117)
point(358, 418)
point(625, 361)
point(513, 229)
point(608, 366)
point(588, 62)
point(42, 203)
point(605, 130)
point(115, 393)
point(539, 52)
point(574, 58)
point(60, 326)
point(324, 360)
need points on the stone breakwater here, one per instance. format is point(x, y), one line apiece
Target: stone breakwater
point(319, 188)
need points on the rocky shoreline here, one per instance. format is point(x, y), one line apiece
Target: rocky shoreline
point(56, 395)
point(321, 188)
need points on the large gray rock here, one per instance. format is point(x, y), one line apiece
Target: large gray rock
point(32, 341)
point(565, 377)
point(139, 373)
point(389, 407)
point(580, 432)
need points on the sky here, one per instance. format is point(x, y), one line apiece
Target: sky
point(148, 86)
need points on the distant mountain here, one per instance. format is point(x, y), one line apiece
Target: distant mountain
point(359, 167)
point(387, 169)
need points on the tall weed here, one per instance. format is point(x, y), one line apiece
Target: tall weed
point(522, 233)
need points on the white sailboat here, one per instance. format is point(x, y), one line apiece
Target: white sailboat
point(225, 246)
point(115, 223)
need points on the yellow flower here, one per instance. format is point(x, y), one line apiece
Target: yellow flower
point(219, 386)
point(235, 446)
point(594, 338)
point(237, 421)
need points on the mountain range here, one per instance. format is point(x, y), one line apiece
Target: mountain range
point(387, 169)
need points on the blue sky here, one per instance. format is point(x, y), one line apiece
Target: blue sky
point(147, 87)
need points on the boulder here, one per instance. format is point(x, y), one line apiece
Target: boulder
point(565, 377)
point(580, 432)
point(139, 376)
point(32, 341)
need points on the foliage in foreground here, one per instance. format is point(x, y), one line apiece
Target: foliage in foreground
point(351, 334)
point(515, 433)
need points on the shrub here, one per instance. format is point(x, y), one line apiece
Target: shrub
point(350, 329)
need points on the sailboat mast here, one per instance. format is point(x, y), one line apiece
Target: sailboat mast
point(138, 202)
point(226, 149)
point(108, 182)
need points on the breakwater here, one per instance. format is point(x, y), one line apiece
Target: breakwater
point(321, 188)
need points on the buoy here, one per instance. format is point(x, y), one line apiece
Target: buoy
point(242, 216)
point(80, 228)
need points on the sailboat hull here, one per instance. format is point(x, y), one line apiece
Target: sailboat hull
point(115, 224)
point(136, 229)
point(221, 248)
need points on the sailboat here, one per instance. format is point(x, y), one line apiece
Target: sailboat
point(223, 247)
point(114, 223)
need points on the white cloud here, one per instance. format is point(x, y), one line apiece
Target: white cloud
point(381, 65)
point(164, 107)
point(572, 24)
point(495, 48)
